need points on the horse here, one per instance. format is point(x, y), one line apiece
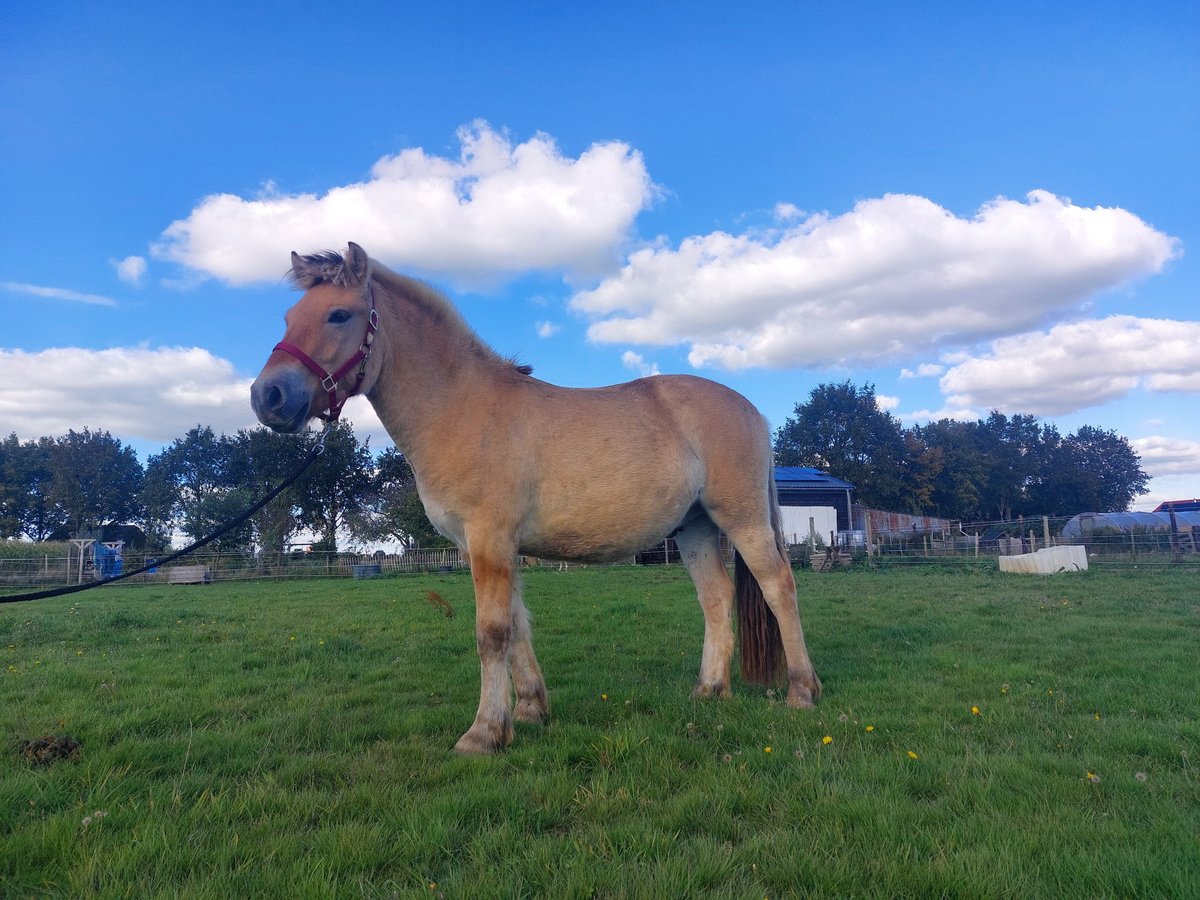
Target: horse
point(507, 464)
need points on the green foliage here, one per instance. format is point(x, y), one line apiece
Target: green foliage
point(293, 739)
point(996, 468)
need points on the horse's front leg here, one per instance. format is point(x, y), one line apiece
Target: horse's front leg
point(492, 730)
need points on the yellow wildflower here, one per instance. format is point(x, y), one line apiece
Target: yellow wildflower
point(766, 749)
point(828, 739)
point(870, 728)
point(974, 710)
point(912, 755)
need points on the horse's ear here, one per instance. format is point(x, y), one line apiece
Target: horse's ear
point(357, 264)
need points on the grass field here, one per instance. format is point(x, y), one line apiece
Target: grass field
point(980, 736)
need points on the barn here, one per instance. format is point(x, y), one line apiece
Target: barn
point(802, 486)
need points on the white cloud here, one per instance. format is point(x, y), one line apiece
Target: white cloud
point(547, 329)
point(637, 362)
point(136, 393)
point(53, 293)
point(131, 269)
point(894, 277)
point(886, 403)
point(1078, 365)
point(924, 370)
point(786, 212)
point(1165, 456)
point(923, 416)
point(496, 210)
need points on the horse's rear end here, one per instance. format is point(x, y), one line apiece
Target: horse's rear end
point(621, 467)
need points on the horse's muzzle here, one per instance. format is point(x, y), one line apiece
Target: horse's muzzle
point(281, 400)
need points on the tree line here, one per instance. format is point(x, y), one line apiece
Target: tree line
point(996, 468)
point(75, 484)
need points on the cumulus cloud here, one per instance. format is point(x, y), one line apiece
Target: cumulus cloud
point(547, 329)
point(895, 277)
point(1078, 365)
point(638, 363)
point(1165, 456)
point(136, 393)
point(924, 370)
point(131, 269)
point(498, 209)
point(54, 293)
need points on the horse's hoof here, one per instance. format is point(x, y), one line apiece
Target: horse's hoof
point(802, 696)
point(702, 691)
point(531, 712)
point(482, 741)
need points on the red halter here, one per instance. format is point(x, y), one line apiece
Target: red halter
point(329, 380)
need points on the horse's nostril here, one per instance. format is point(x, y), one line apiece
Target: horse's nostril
point(274, 398)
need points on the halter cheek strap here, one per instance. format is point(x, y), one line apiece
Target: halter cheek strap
point(330, 380)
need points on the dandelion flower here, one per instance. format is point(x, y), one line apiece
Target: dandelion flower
point(870, 728)
point(974, 710)
point(912, 755)
point(1140, 776)
point(766, 749)
point(1093, 777)
point(604, 696)
point(843, 718)
point(828, 739)
point(1004, 689)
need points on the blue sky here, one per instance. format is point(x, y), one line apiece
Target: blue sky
point(970, 207)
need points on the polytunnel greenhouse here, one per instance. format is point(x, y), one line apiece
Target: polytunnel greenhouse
point(1126, 522)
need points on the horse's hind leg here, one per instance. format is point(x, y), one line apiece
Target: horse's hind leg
point(761, 553)
point(532, 703)
point(700, 549)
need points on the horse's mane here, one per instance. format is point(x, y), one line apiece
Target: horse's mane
point(329, 267)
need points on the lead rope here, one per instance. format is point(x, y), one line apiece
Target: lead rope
point(316, 451)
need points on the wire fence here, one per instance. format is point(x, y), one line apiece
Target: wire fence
point(960, 545)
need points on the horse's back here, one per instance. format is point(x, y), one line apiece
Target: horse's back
point(615, 469)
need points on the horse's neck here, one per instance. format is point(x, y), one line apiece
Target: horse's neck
point(431, 372)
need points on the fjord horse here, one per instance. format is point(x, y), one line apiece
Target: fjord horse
point(507, 464)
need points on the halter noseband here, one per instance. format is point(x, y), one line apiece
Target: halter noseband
point(329, 380)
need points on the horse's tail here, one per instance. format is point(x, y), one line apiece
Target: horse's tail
point(758, 629)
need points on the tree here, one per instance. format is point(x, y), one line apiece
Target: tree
point(1091, 470)
point(264, 458)
point(396, 510)
point(842, 430)
point(337, 485)
point(194, 480)
point(95, 480)
point(25, 483)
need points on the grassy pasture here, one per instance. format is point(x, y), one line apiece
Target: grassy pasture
point(293, 739)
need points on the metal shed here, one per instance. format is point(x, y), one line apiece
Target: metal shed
point(805, 486)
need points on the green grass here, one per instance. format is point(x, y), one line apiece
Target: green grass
point(293, 739)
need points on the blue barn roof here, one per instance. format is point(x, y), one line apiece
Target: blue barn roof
point(805, 477)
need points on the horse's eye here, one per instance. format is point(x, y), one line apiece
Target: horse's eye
point(338, 317)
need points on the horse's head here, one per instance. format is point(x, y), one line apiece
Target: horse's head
point(327, 346)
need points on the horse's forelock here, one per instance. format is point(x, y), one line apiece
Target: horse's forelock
point(326, 267)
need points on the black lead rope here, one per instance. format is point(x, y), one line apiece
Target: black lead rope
point(316, 451)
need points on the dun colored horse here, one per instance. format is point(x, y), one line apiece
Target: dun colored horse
point(507, 464)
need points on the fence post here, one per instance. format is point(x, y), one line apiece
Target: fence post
point(1046, 530)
